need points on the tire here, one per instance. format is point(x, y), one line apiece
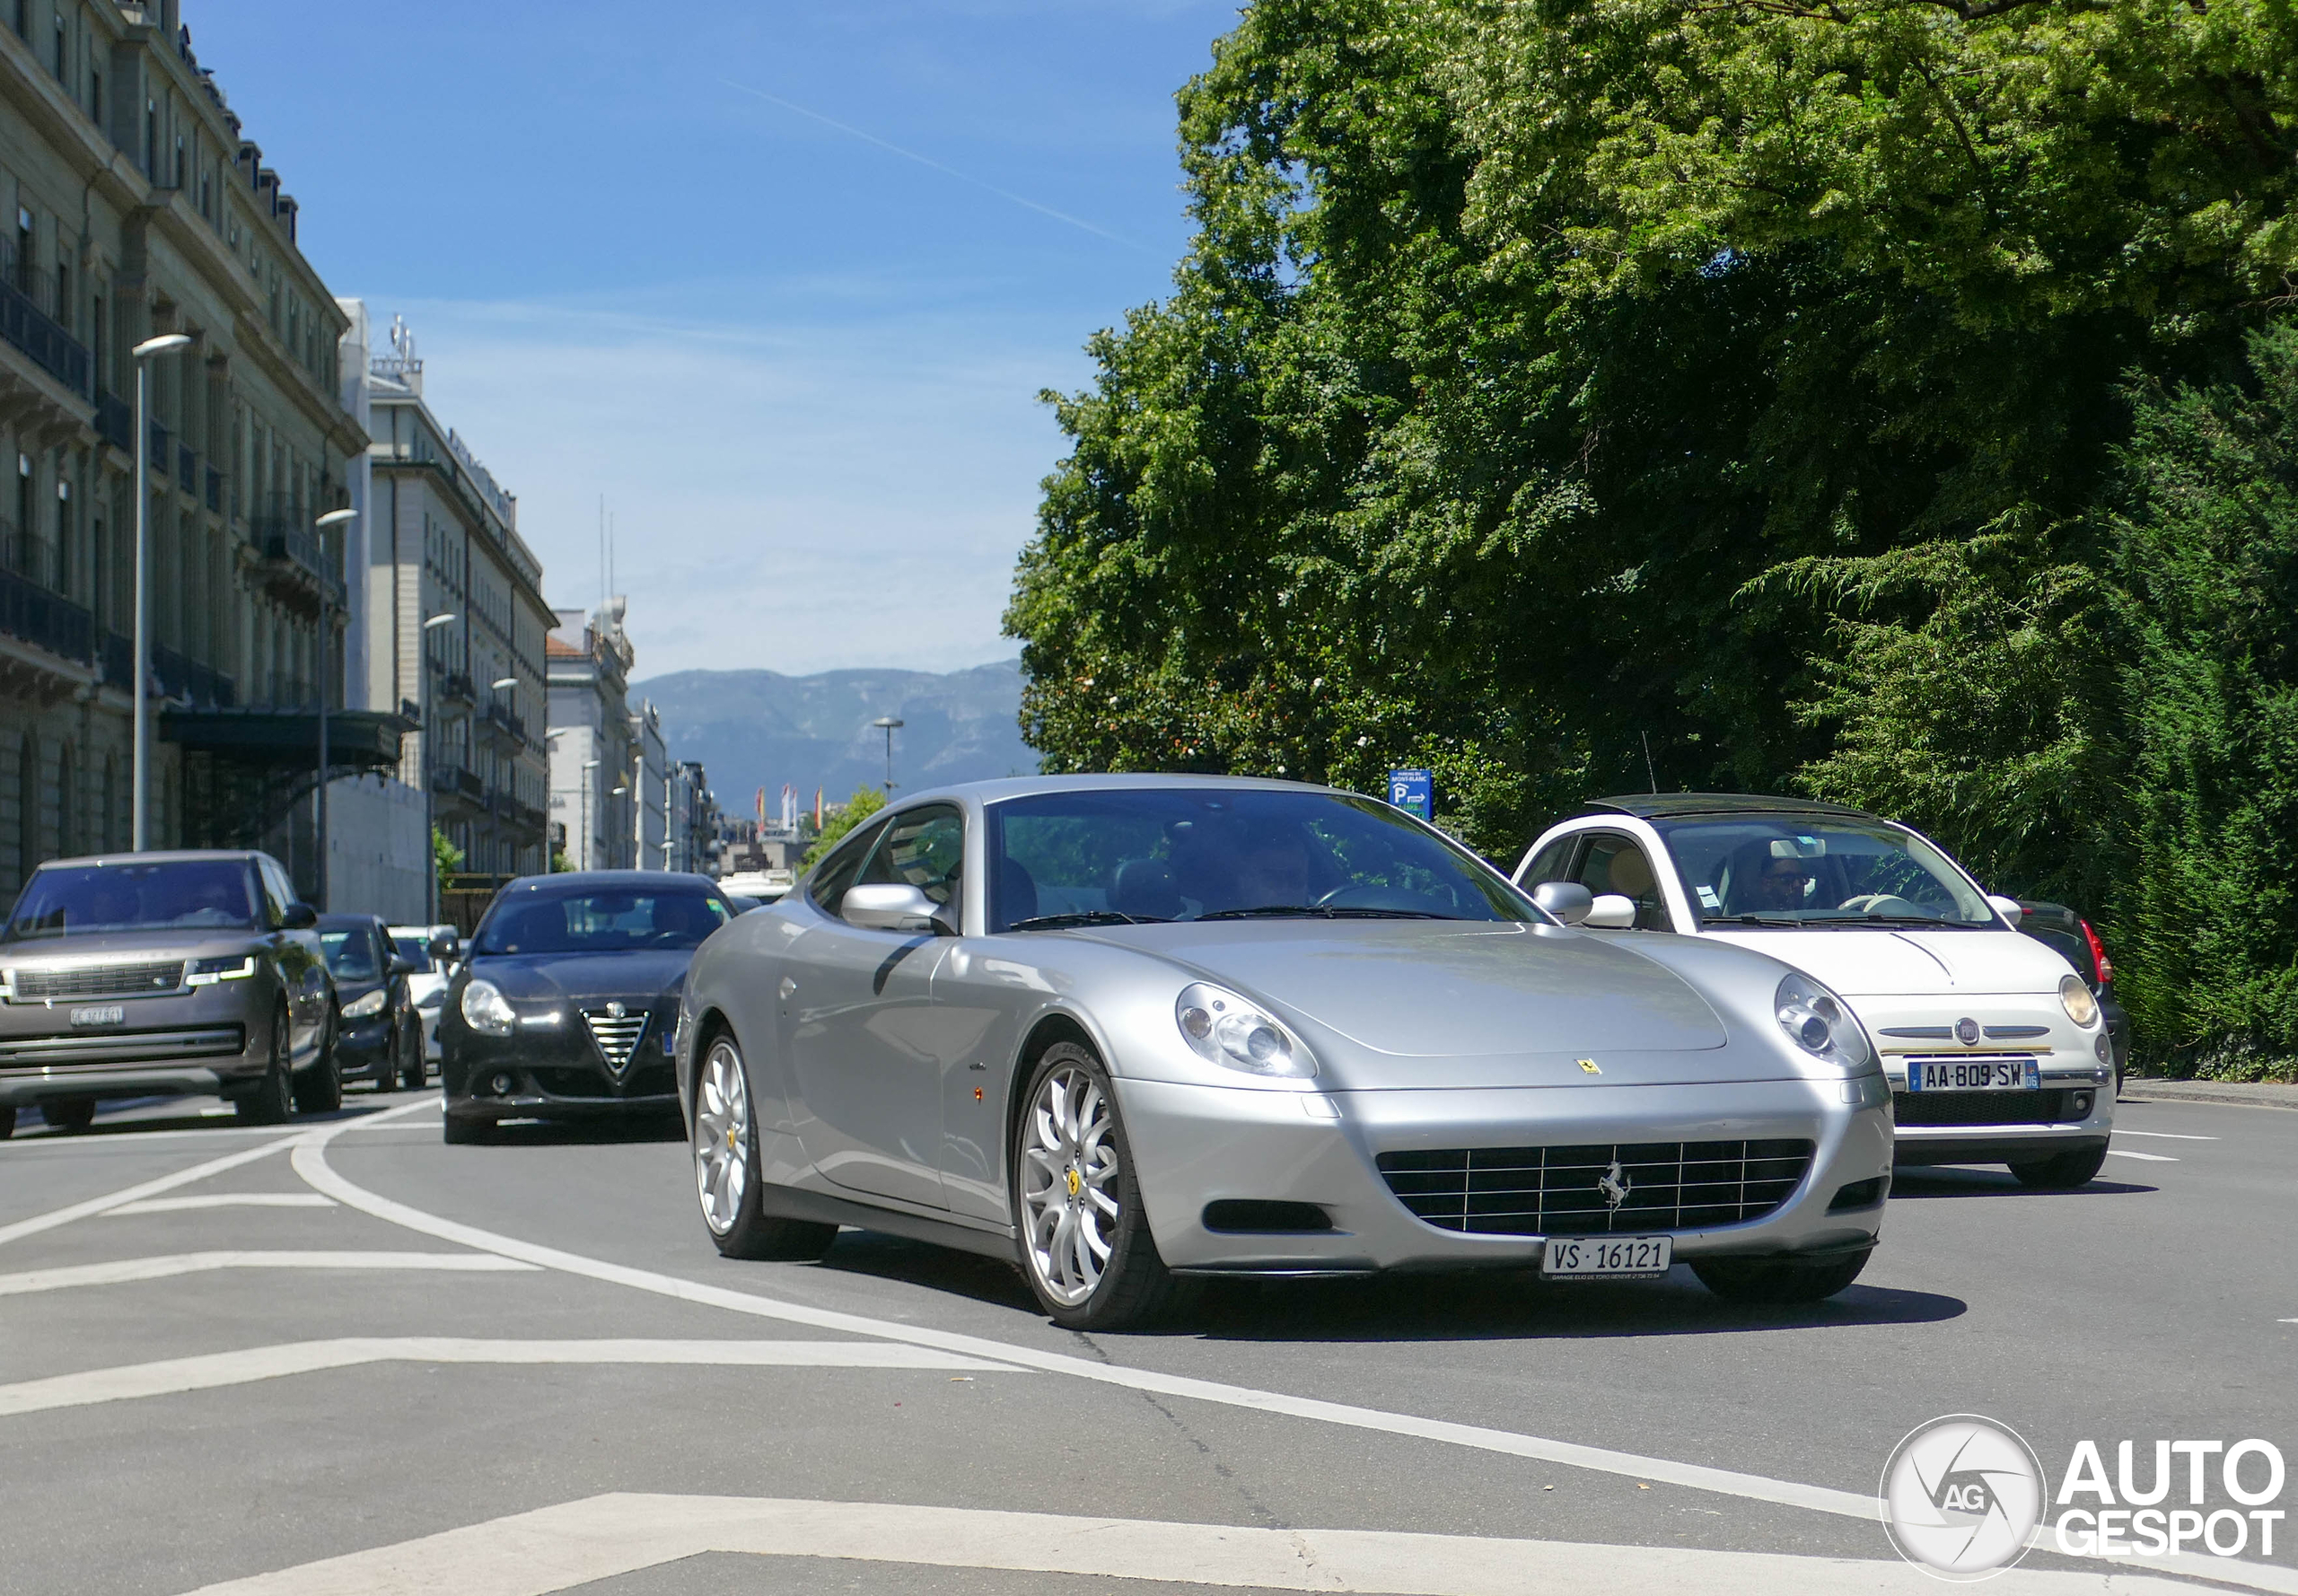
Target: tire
point(318, 1089)
point(269, 1102)
point(467, 1132)
point(413, 1074)
point(727, 1180)
point(71, 1115)
point(1086, 1249)
point(1777, 1282)
point(387, 1066)
point(2069, 1172)
point(7, 1121)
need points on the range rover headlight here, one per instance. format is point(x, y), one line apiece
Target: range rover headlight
point(369, 1006)
point(1816, 1020)
point(486, 1011)
point(2074, 998)
point(1224, 1028)
point(231, 966)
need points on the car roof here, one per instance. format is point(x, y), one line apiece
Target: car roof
point(157, 856)
point(998, 789)
point(1647, 806)
point(626, 880)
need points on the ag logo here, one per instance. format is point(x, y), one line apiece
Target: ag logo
point(1961, 1496)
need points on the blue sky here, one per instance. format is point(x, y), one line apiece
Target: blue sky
point(801, 367)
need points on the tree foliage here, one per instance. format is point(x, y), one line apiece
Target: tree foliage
point(867, 801)
point(1573, 394)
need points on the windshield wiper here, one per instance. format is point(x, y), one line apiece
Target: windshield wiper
point(1269, 911)
point(1091, 916)
point(1776, 918)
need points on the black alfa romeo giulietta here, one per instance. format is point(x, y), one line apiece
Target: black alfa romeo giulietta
point(567, 1004)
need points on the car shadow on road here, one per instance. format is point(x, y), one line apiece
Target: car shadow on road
point(1944, 1180)
point(1461, 1306)
point(662, 1125)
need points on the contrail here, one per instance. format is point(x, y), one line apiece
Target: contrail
point(1043, 210)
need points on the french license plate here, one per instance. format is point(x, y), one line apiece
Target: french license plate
point(109, 1013)
point(1976, 1074)
point(1607, 1257)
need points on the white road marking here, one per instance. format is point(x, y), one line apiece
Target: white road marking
point(149, 1188)
point(222, 1199)
point(119, 1271)
point(310, 1160)
point(2167, 1136)
point(2148, 1157)
point(211, 1370)
point(577, 1543)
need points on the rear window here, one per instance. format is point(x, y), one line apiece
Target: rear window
point(179, 894)
point(413, 949)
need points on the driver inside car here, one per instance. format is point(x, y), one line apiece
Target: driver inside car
point(1763, 883)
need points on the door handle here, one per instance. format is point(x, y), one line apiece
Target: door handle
point(788, 987)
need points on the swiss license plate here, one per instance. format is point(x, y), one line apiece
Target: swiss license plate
point(1976, 1074)
point(109, 1013)
point(1607, 1257)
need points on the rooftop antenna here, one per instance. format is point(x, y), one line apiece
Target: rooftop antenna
point(1647, 760)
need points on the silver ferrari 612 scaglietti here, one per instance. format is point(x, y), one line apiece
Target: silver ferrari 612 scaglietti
point(1126, 1029)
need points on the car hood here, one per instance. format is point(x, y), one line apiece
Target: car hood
point(1451, 989)
point(104, 947)
point(581, 978)
point(1911, 963)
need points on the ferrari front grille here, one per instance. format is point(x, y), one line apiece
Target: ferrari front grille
point(1639, 1187)
point(34, 985)
point(617, 1035)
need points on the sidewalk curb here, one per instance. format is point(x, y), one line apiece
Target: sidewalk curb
point(2255, 1095)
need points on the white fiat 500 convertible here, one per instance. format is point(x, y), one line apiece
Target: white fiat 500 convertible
point(1993, 1045)
point(1121, 1028)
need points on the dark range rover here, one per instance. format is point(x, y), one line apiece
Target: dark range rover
point(148, 974)
point(567, 1004)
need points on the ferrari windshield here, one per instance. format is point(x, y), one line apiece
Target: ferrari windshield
point(176, 894)
point(1812, 870)
point(1153, 853)
point(602, 922)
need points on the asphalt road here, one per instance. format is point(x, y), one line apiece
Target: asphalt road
point(358, 1360)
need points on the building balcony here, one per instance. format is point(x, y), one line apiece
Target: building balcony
point(31, 613)
point(452, 781)
point(186, 681)
point(187, 468)
point(116, 422)
point(292, 569)
point(456, 689)
point(42, 339)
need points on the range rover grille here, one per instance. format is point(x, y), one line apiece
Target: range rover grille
point(617, 1035)
point(1634, 1187)
point(34, 985)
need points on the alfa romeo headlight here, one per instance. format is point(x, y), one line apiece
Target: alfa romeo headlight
point(1224, 1028)
point(1816, 1020)
point(486, 1011)
point(2074, 996)
point(369, 1006)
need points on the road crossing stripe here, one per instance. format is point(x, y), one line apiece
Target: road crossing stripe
point(2167, 1136)
point(227, 1199)
point(209, 1371)
point(579, 1543)
point(2145, 1157)
point(120, 1271)
point(149, 1188)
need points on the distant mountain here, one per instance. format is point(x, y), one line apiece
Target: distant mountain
point(754, 729)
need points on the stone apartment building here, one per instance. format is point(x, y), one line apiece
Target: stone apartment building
point(455, 624)
point(132, 203)
point(593, 740)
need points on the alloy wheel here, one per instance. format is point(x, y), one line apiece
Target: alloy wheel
point(1069, 1185)
point(722, 1136)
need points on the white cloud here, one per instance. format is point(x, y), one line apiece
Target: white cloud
point(840, 479)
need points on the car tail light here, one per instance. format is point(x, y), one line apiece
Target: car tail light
point(2098, 952)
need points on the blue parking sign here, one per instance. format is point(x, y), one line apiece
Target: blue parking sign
point(1414, 792)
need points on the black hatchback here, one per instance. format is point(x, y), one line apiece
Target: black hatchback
point(567, 1004)
point(380, 1038)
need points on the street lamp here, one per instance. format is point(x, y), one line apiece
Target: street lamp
point(887, 725)
point(140, 761)
point(588, 766)
point(333, 518)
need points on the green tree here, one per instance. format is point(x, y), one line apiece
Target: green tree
point(865, 802)
point(446, 858)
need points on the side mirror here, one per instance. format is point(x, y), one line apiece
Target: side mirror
point(1568, 901)
point(399, 967)
point(2008, 907)
point(1611, 911)
point(441, 946)
point(299, 917)
point(893, 906)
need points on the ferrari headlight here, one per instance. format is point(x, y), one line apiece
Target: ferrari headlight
point(486, 1011)
point(2074, 996)
point(1224, 1028)
point(369, 1006)
point(1816, 1022)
